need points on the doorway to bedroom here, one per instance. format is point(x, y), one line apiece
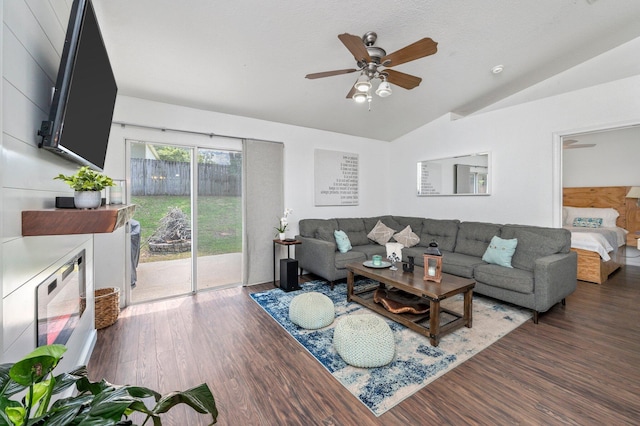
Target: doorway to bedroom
point(189, 209)
point(602, 163)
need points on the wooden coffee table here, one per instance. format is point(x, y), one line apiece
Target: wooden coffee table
point(428, 324)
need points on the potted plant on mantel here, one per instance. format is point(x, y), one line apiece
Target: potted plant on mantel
point(87, 185)
point(95, 403)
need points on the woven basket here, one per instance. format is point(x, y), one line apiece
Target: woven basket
point(107, 306)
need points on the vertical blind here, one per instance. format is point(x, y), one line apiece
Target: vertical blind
point(264, 204)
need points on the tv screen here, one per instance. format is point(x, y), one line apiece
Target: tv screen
point(85, 93)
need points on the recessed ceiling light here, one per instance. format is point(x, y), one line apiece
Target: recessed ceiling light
point(497, 69)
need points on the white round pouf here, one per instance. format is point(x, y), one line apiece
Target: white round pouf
point(311, 310)
point(364, 340)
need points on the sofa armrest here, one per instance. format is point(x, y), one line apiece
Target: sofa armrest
point(317, 256)
point(555, 277)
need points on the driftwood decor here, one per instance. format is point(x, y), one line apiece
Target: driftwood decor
point(399, 303)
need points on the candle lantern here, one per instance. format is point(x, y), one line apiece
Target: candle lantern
point(433, 263)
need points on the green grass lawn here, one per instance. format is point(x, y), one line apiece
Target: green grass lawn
point(219, 223)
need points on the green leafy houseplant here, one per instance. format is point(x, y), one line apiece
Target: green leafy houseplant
point(86, 179)
point(95, 404)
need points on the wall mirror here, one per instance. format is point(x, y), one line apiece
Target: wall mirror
point(461, 175)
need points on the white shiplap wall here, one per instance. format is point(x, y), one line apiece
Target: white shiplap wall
point(32, 40)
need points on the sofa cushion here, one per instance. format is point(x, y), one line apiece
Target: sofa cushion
point(342, 241)
point(500, 251)
point(442, 231)
point(417, 252)
point(381, 233)
point(371, 249)
point(535, 242)
point(507, 278)
point(459, 264)
point(342, 259)
point(414, 222)
point(407, 237)
point(326, 234)
point(354, 228)
point(321, 229)
point(474, 237)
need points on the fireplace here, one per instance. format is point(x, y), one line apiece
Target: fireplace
point(60, 302)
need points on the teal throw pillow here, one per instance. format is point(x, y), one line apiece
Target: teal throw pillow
point(587, 222)
point(344, 245)
point(500, 251)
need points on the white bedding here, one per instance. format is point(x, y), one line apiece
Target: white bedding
point(600, 240)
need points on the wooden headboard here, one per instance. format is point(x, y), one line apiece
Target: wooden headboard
point(607, 196)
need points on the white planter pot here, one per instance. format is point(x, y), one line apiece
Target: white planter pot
point(87, 199)
point(281, 236)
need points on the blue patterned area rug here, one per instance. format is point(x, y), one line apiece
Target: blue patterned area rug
point(416, 363)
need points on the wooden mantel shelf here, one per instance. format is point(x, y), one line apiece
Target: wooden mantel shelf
point(75, 221)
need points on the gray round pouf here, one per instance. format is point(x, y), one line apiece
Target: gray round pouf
point(311, 310)
point(364, 340)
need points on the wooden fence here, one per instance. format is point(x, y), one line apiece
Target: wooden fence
point(159, 177)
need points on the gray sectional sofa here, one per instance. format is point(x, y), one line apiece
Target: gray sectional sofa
point(543, 269)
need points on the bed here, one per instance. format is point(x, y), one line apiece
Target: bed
point(596, 217)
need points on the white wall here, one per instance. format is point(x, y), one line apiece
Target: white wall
point(32, 40)
point(524, 144)
point(612, 162)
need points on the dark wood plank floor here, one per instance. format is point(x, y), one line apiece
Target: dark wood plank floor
point(579, 366)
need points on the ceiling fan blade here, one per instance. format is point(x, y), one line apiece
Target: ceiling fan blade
point(406, 81)
point(329, 73)
point(351, 92)
point(417, 50)
point(356, 47)
point(584, 145)
point(573, 144)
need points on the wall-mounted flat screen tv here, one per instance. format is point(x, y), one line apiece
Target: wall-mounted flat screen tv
point(85, 93)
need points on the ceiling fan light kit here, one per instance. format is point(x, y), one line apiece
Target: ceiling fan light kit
point(363, 84)
point(370, 59)
point(384, 89)
point(360, 97)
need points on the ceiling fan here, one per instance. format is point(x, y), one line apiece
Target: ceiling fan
point(571, 144)
point(374, 63)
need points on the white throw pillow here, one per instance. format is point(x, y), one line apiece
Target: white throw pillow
point(407, 237)
point(381, 233)
point(608, 215)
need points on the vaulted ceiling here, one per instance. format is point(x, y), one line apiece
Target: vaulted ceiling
point(250, 58)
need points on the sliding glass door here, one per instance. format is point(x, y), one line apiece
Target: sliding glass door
point(219, 206)
point(180, 210)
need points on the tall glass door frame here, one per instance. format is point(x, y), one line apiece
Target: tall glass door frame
point(232, 145)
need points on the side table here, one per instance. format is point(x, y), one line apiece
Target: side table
point(287, 243)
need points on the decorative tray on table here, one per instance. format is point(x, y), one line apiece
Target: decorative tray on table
point(383, 264)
